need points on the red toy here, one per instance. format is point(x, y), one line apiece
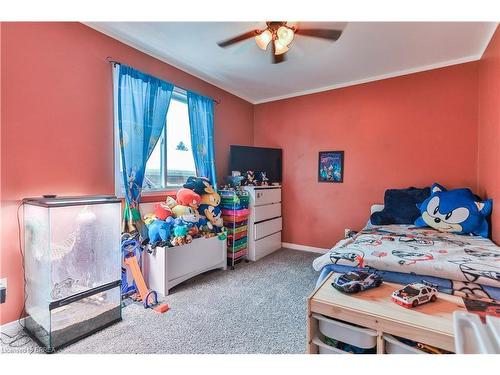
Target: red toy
point(162, 211)
point(187, 197)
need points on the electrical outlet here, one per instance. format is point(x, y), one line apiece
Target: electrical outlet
point(346, 232)
point(3, 290)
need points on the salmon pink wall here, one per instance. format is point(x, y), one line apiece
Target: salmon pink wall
point(489, 129)
point(406, 131)
point(57, 132)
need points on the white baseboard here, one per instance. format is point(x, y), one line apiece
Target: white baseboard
point(310, 249)
point(11, 328)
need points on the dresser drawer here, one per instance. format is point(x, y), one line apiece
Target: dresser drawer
point(267, 196)
point(266, 228)
point(267, 212)
point(265, 246)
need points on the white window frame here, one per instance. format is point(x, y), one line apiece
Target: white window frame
point(178, 94)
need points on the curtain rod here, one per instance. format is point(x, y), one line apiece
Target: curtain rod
point(112, 61)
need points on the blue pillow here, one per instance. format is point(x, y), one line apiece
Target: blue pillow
point(456, 211)
point(400, 206)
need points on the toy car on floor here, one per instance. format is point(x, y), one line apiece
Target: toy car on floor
point(415, 294)
point(356, 281)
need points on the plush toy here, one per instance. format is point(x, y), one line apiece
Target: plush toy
point(180, 236)
point(210, 200)
point(186, 213)
point(162, 211)
point(171, 203)
point(159, 231)
point(187, 197)
point(457, 211)
point(149, 218)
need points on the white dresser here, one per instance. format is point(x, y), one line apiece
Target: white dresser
point(264, 222)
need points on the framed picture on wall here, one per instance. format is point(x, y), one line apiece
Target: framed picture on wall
point(331, 166)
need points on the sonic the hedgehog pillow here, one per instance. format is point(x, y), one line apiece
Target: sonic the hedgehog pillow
point(457, 211)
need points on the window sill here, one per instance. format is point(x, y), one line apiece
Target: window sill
point(154, 196)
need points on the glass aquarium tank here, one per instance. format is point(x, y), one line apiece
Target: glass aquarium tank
point(72, 264)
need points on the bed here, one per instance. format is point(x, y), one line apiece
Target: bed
point(457, 264)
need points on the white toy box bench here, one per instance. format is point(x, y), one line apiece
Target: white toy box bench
point(167, 267)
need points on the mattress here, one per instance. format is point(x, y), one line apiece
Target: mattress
point(459, 264)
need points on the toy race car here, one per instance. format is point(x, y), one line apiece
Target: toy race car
point(356, 281)
point(415, 294)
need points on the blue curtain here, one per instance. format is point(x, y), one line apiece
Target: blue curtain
point(201, 122)
point(141, 105)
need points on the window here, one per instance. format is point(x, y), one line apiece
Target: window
point(171, 161)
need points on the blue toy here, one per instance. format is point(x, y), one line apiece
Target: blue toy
point(159, 230)
point(456, 211)
point(356, 281)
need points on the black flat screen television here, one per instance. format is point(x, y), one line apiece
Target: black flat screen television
point(257, 159)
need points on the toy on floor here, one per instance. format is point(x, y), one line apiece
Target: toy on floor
point(131, 249)
point(415, 294)
point(356, 281)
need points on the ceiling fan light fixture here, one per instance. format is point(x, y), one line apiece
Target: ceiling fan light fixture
point(263, 39)
point(280, 47)
point(285, 35)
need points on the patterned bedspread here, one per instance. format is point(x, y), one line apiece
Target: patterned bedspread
point(421, 251)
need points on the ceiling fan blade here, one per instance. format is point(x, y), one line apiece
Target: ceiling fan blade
point(330, 34)
point(277, 58)
point(236, 39)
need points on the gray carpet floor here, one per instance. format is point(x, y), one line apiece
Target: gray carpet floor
point(257, 308)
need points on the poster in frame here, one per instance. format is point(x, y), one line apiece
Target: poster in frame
point(331, 166)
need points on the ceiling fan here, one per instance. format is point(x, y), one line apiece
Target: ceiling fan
point(280, 35)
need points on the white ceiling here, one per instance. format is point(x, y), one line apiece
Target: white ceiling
point(365, 52)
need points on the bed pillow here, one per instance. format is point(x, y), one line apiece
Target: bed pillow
point(400, 206)
point(456, 211)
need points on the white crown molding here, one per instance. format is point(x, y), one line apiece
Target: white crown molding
point(198, 75)
point(134, 45)
point(309, 249)
point(399, 73)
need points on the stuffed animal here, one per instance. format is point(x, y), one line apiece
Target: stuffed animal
point(180, 236)
point(149, 218)
point(162, 211)
point(186, 213)
point(159, 231)
point(187, 197)
point(457, 211)
point(210, 200)
point(171, 203)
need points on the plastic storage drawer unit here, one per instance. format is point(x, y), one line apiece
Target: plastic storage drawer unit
point(361, 337)
point(394, 346)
